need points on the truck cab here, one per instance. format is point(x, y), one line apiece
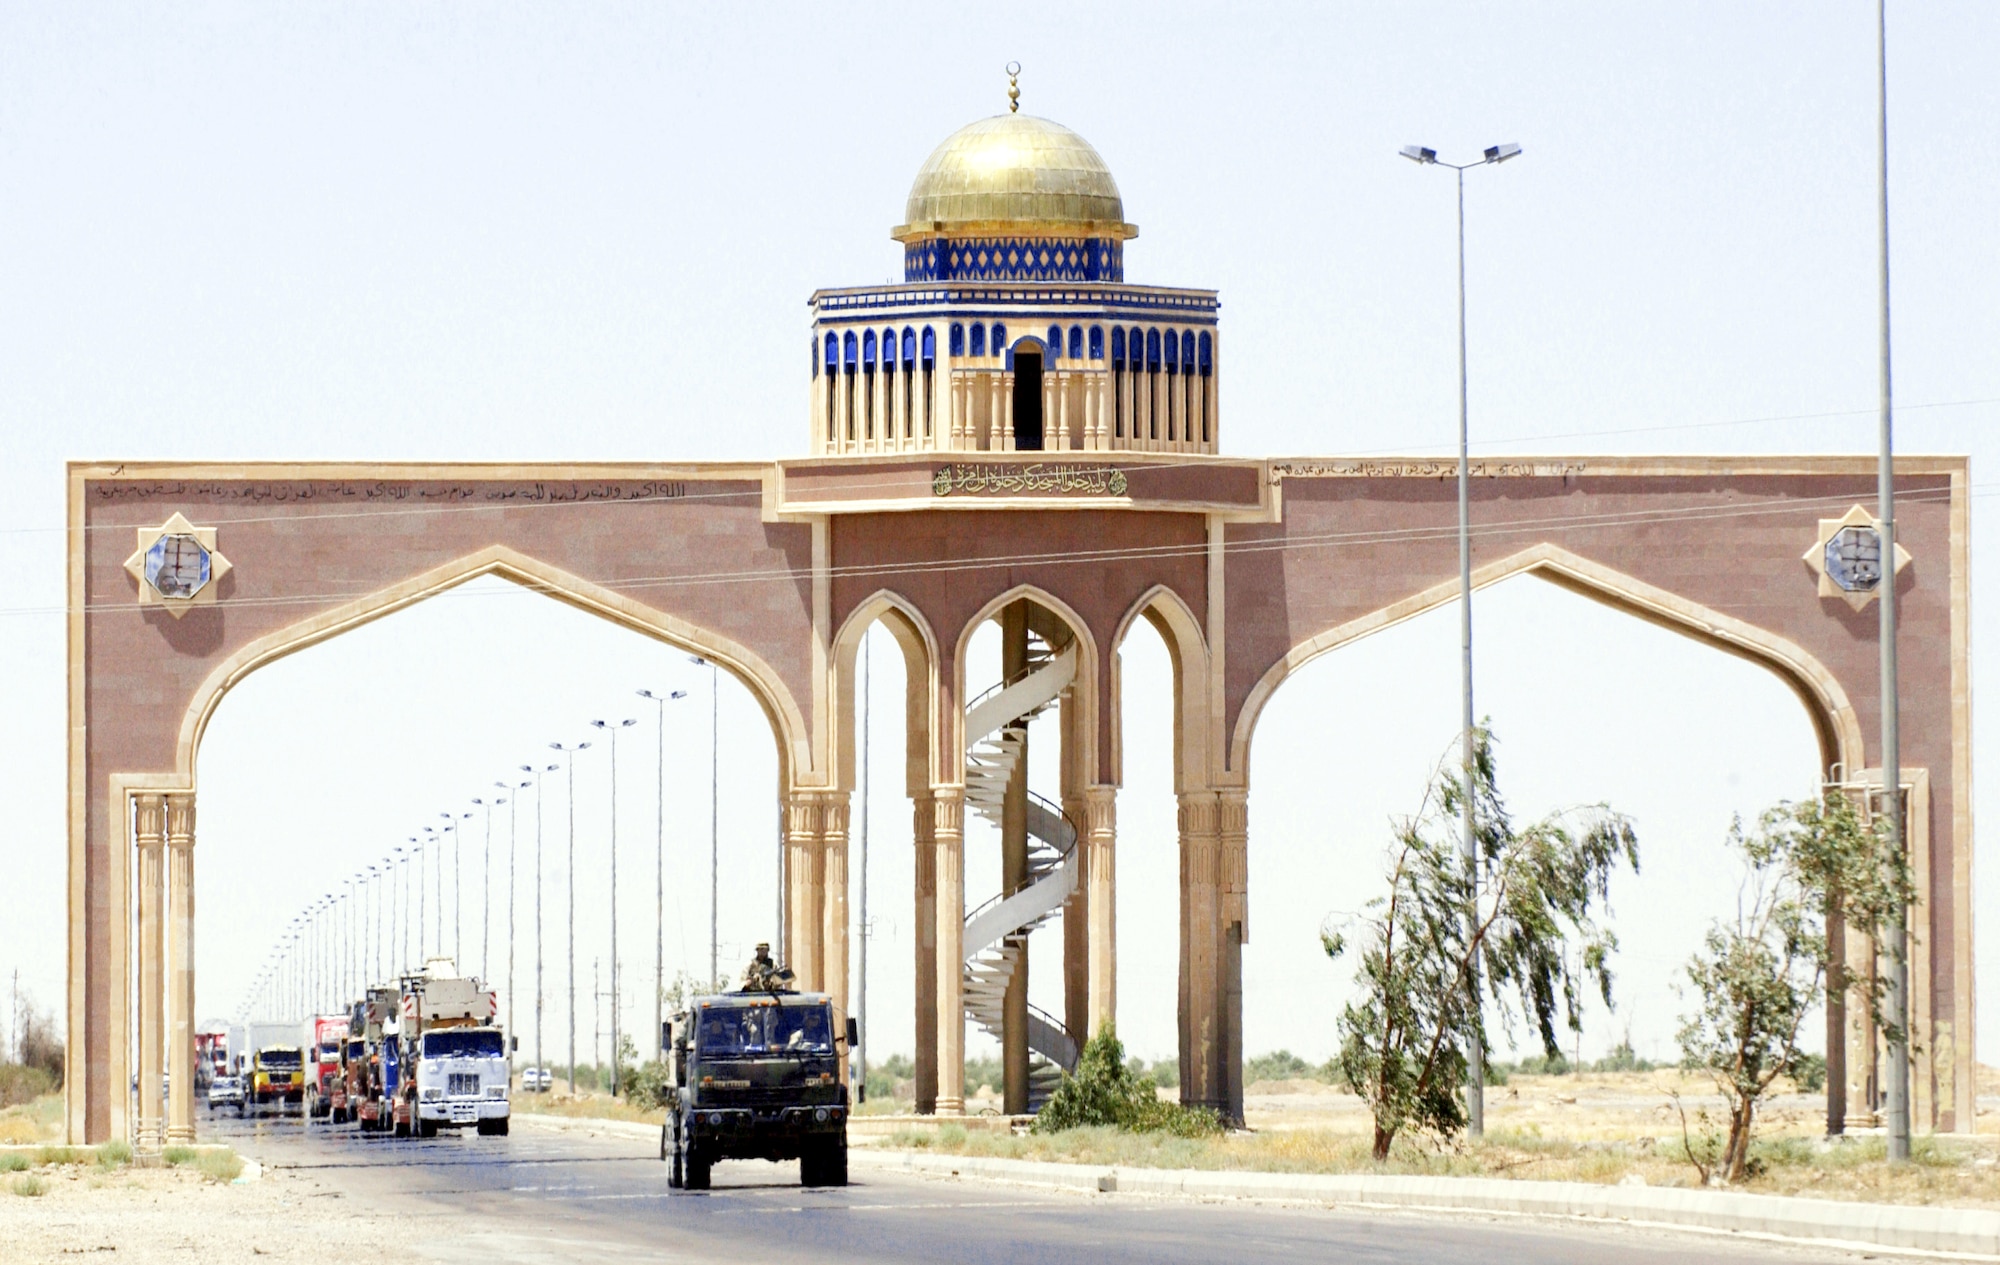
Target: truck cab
point(276, 1075)
point(462, 1079)
point(758, 1074)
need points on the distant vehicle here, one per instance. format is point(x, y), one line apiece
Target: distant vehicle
point(536, 1080)
point(224, 1091)
point(757, 1075)
point(276, 1075)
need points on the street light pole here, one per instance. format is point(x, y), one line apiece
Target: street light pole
point(660, 861)
point(1475, 1047)
point(570, 752)
point(1897, 1098)
point(529, 768)
point(513, 835)
point(714, 833)
point(486, 901)
point(613, 729)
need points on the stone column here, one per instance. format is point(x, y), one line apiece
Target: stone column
point(833, 897)
point(802, 888)
point(949, 835)
point(1233, 838)
point(1201, 892)
point(1003, 412)
point(180, 967)
point(1101, 862)
point(923, 831)
point(1059, 391)
point(150, 828)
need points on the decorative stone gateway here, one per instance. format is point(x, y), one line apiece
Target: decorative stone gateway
point(1125, 510)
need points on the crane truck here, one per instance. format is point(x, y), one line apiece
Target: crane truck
point(454, 1065)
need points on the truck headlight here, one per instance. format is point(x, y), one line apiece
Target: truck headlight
point(819, 1114)
point(496, 1091)
point(430, 1093)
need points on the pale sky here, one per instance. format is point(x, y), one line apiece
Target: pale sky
point(463, 232)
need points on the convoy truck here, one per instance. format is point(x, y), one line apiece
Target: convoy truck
point(370, 1025)
point(325, 1038)
point(454, 1067)
point(211, 1055)
point(275, 1076)
point(757, 1075)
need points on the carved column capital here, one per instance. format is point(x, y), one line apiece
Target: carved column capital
point(948, 811)
point(149, 824)
point(180, 819)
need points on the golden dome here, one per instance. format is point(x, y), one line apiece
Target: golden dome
point(1014, 173)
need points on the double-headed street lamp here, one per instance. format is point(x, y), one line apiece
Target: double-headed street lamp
point(486, 902)
point(714, 836)
point(612, 728)
point(570, 752)
point(452, 824)
point(514, 803)
point(1476, 1063)
point(537, 772)
point(660, 860)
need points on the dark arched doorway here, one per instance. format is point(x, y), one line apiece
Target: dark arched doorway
point(1028, 400)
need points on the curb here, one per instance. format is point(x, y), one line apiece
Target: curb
point(1965, 1232)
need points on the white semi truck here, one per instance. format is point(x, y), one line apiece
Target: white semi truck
point(455, 1064)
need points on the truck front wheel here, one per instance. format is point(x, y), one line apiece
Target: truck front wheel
point(698, 1165)
point(493, 1128)
point(426, 1128)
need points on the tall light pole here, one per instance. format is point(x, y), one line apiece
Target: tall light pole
point(432, 836)
point(1476, 1062)
point(714, 834)
point(529, 768)
point(486, 901)
point(513, 1027)
point(452, 824)
point(612, 729)
point(570, 752)
point(1896, 1101)
point(867, 789)
point(660, 860)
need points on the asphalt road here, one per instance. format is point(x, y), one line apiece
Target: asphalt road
point(542, 1195)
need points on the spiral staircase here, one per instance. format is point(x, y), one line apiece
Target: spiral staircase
point(996, 933)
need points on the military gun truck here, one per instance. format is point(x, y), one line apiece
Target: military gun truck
point(757, 1074)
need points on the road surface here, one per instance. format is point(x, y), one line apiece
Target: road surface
point(546, 1195)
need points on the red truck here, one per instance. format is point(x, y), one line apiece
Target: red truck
point(326, 1041)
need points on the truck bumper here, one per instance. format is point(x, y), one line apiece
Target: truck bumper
point(743, 1134)
point(463, 1111)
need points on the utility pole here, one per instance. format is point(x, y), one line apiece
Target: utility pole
point(660, 859)
point(1897, 1098)
point(714, 834)
point(613, 729)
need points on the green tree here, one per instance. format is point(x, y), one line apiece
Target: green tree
point(1439, 942)
point(1759, 974)
point(1106, 1091)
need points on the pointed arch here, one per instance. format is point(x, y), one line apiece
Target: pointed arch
point(951, 748)
point(1187, 648)
point(919, 645)
point(788, 725)
point(1833, 717)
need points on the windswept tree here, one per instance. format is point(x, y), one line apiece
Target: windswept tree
point(1760, 973)
point(1449, 939)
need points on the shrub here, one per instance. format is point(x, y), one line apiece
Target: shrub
point(1279, 1065)
point(12, 1162)
point(175, 1156)
point(57, 1155)
point(220, 1165)
point(649, 1085)
point(1105, 1092)
point(114, 1154)
point(29, 1185)
point(1809, 1073)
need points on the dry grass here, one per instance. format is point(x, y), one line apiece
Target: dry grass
point(38, 1121)
point(586, 1106)
point(1604, 1129)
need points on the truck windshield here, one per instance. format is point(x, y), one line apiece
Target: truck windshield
point(463, 1045)
point(727, 1031)
point(279, 1058)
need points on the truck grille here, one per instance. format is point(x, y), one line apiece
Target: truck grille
point(463, 1085)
